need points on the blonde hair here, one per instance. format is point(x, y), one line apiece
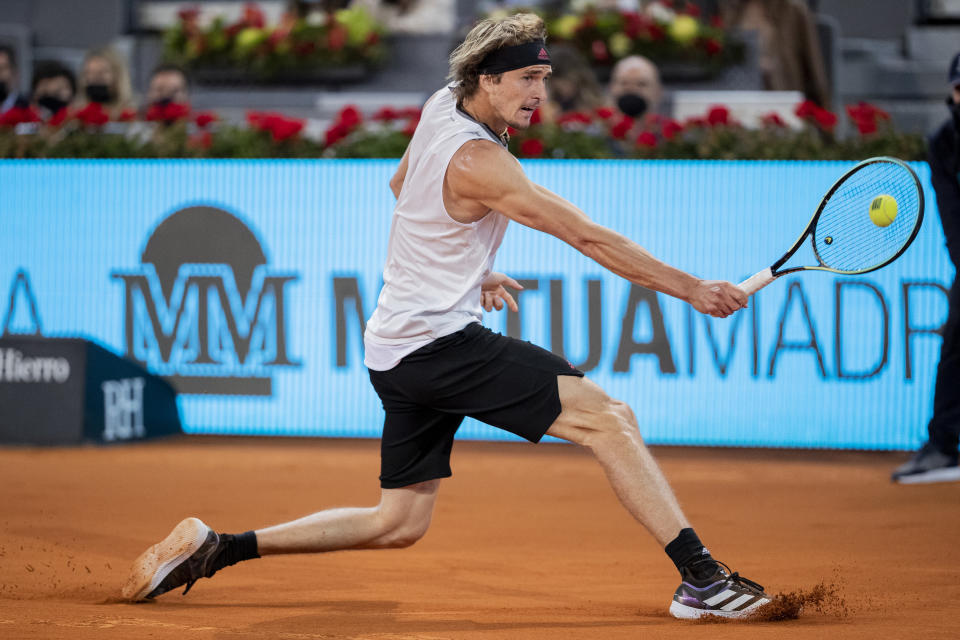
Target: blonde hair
point(487, 36)
point(122, 88)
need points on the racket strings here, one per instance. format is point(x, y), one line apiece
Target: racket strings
point(846, 239)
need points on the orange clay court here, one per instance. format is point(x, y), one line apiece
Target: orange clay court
point(526, 542)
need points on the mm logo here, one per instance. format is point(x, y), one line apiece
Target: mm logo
point(203, 309)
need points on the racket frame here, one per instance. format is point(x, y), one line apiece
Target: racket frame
point(767, 275)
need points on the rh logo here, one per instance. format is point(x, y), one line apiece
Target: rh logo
point(123, 409)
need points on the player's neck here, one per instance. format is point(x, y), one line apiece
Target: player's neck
point(482, 111)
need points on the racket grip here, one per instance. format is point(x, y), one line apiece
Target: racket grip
point(757, 281)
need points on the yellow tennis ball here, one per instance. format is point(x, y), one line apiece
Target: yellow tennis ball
point(883, 209)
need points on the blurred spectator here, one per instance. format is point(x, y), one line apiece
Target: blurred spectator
point(104, 78)
point(790, 57)
point(937, 459)
point(168, 84)
point(635, 87)
point(573, 85)
point(10, 95)
point(53, 88)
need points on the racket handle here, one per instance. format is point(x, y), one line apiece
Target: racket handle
point(757, 281)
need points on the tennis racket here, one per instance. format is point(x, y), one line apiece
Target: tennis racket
point(844, 237)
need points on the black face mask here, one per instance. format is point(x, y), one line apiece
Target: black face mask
point(53, 104)
point(98, 93)
point(632, 104)
point(4, 91)
point(954, 111)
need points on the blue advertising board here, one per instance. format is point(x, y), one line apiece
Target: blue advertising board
point(246, 284)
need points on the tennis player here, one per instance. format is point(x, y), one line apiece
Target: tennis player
point(432, 362)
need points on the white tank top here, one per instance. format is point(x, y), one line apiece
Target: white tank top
point(435, 265)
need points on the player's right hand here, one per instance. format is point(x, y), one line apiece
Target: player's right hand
point(717, 298)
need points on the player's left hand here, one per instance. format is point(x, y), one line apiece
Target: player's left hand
point(493, 295)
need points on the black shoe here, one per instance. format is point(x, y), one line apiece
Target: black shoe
point(929, 464)
point(725, 594)
point(183, 557)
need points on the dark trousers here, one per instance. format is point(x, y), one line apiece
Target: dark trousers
point(944, 427)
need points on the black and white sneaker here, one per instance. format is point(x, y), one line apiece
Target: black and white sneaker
point(725, 594)
point(183, 557)
point(929, 464)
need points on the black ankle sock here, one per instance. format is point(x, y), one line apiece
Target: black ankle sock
point(690, 556)
point(233, 549)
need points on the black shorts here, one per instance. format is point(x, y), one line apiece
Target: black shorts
point(504, 382)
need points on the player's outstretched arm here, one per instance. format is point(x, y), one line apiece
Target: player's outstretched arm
point(482, 176)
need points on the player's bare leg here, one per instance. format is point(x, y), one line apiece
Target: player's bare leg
point(401, 518)
point(609, 429)
point(193, 550)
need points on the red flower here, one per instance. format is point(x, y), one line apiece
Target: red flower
point(716, 22)
point(531, 148)
point(574, 117)
point(535, 117)
point(337, 38)
point(866, 116)
point(255, 119)
point(695, 122)
point(278, 126)
point(656, 31)
point(386, 114)
point(201, 140)
point(189, 14)
point(825, 119)
point(92, 115)
point(691, 10)
point(712, 46)
point(283, 30)
point(718, 115)
point(671, 128)
point(410, 112)
point(511, 131)
point(282, 128)
point(304, 49)
point(127, 115)
point(411, 127)
point(772, 119)
point(59, 117)
point(866, 125)
point(622, 128)
point(604, 113)
point(168, 113)
point(253, 16)
point(336, 133)
point(16, 115)
point(205, 118)
point(647, 139)
point(599, 50)
point(234, 29)
point(349, 116)
point(633, 24)
point(806, 109)
point(866, 111)
point(373, 38)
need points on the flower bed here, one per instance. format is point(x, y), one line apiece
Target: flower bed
point(174, 131)
point(335, 47)
point(717, 135)
point(671, 33)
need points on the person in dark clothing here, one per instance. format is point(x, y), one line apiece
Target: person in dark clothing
point(937, 459)
point(10, 96)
